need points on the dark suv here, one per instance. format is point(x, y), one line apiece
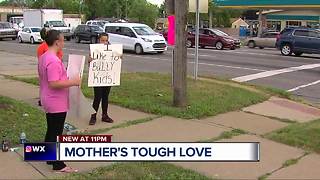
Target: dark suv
point(299, 41)
point(87, 33)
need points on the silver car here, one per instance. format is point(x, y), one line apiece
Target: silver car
point(267, 40)
point(7, 31)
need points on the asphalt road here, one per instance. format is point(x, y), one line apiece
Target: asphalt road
point(299, 75)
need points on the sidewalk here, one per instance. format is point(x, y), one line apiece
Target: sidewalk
point(256, 120)
point(273, 154)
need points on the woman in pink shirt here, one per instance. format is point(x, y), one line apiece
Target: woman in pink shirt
point(54, 91)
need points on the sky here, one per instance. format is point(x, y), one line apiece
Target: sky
point(157, 2)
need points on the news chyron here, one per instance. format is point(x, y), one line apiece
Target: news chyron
point(40, 151)
point(101, 148)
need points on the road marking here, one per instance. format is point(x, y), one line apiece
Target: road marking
point(304, 86)
point(205, 64)
point(163, 59)
point(274, 72)
point(232, 67)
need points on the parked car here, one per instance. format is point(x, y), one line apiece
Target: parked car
point(136, 37)
point(100, 23)
point(164, 32)
point(268, 40)
point(7, 31)
point(49, 18)
point(87, 33)
point(298, 41)
point(30, 34)
point(213, 38)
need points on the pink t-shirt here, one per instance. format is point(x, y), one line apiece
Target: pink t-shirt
point(51, 68)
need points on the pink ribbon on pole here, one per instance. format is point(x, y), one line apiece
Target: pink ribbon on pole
point(171, 30)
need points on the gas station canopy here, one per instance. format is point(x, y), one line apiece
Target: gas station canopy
point(268, 4)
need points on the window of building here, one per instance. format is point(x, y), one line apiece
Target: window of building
point(293, 23)
point(313, 24)
point(274, 25)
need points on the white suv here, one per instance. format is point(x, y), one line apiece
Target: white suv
point(136, 37)
point(100, 23)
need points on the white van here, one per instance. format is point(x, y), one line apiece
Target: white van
point(136, 37)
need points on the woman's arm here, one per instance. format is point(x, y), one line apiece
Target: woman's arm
point(65, 83)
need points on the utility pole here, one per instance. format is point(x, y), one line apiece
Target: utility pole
point(53, 3)
point(126, 10)
point(260, 29)
point(196, 63)
point(210, 18)
point(180, 51)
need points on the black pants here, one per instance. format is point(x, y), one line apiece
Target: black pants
point(55, 124)
point(101, 94)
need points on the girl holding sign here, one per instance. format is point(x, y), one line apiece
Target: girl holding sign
point(101, 93)
point(54, 91)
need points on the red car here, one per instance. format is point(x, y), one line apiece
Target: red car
point(213, 38)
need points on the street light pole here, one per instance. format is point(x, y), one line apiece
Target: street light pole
point(126, 9)
point(196, 63)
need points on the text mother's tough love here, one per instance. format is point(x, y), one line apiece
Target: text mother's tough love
point(105, 67)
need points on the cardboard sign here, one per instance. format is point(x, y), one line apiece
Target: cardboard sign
point(75, 65)
point(75, 68)
point(105, 67)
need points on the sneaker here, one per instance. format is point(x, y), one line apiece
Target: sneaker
point(106, 118)
point(93, 119)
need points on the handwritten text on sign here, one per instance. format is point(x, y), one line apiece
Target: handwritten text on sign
point(105, 67)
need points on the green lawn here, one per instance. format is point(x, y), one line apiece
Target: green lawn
point(141, 171)
point(30, 80)
point(152, 93)
point(303, 135)
point(13, 121)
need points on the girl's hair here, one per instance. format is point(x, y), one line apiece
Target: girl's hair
point(103, 34)
point(43, 33)
point(52, 36)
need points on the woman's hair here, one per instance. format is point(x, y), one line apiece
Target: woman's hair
point(52, 36)
point(43, 33)
point(103, 34)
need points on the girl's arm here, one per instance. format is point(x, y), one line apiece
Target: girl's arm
point(65, 83)
point(89, 58)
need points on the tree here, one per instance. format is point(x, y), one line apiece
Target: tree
point(15, 3)
point(141, 10)
point(162, 10)
point(219, 17)
point(144, 12)
point(91, 8)
point(37, 4)
point(70, 6)
point(106, 8)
